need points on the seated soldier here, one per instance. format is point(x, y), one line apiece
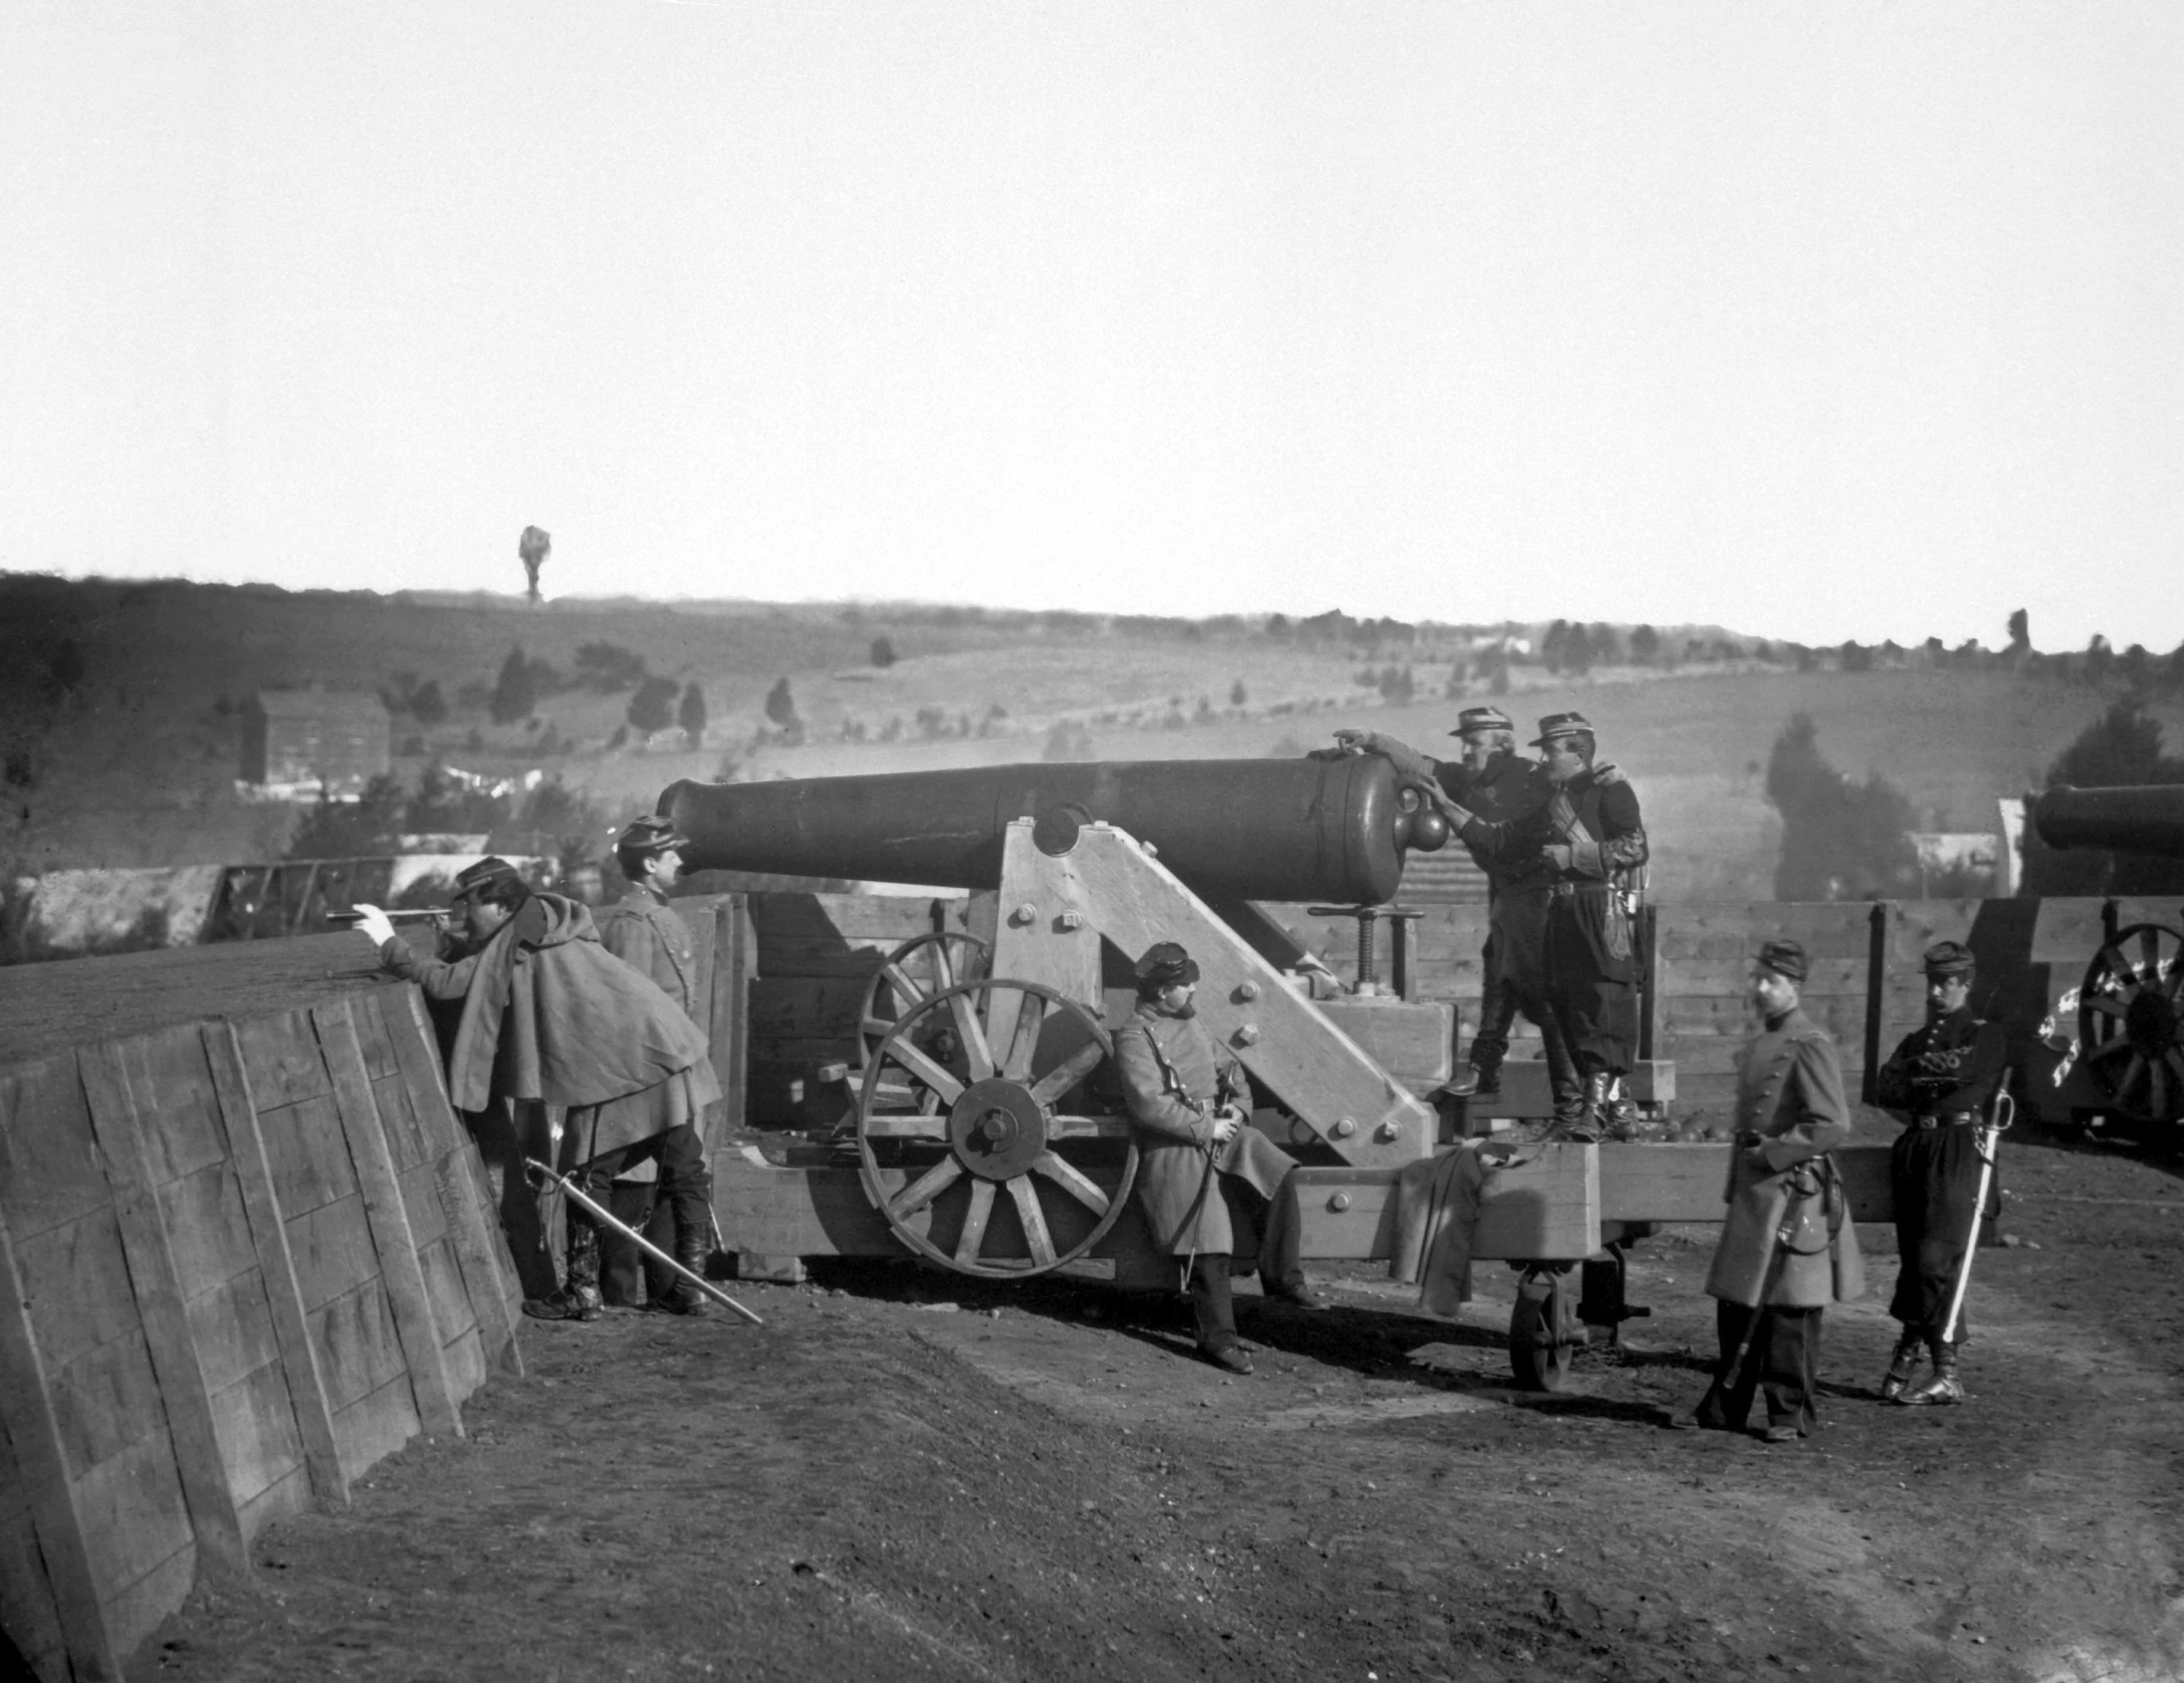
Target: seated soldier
point(550, 1015)
point(1206, 1177)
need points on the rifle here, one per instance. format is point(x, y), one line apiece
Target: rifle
point(599, 1213)
point(2001, 1112)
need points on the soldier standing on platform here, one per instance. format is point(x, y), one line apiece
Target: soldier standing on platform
point(1493, 782)
point(1206, 1177)
point(1590, 837)
point(1787, 1248)
point(1940, 1083)
point(643, 931)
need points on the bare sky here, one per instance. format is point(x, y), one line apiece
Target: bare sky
point(1819, 321)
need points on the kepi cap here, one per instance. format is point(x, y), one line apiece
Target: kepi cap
point(1482, 718)
point(651, 834)
point(1785, 958)
point(1164, 964)
point(482, 875)
point(1556, 726)
point(1948, 958)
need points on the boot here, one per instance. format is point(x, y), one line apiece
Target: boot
point(1901, 1365)
point(1474, 1083)
point(1585, 1127)
point(1617, 1116)
point(579, 1299)
point(1945, 1387)
point(692, 1251)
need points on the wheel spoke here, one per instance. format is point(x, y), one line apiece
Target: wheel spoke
point(2114, 1048)
point(877, 1025)
point(1066, 1175)
point(2149, 946)
point(1028, 1212)
point(2107, 1007)
point(1024, 1037)
point(1065, 1075)
point(2174, 1058)
point(931, 1073)
point(944, 975)
point(2133, 1074)
point(904, 1128)
point(907, 989)
point(2159, 1105)
point(973, 1034)
point(2122, 970)
point(974, 1222)
point(922, 1191)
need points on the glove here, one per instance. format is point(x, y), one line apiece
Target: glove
point(374, 925)
point(1558, 855)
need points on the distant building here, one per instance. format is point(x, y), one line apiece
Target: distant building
point(303, 739)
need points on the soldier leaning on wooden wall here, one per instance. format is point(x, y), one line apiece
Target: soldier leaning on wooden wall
point(550, 1015)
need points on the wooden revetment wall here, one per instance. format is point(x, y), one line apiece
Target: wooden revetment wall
point(243, 1256)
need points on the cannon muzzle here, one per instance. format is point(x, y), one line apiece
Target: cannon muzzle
point(1301, 829)
point(2144, 819)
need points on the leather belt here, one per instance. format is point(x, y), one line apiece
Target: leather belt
point(1567, 890)
point(1962, 1119)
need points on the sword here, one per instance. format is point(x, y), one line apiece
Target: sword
point(599, 1214)
point(1986, 1138)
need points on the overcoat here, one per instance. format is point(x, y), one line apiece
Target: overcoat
point(644, 931)
point(550, 1015)
point(1789, 1093)
point(1171, 1072)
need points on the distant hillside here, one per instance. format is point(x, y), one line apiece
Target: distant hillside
point(131, 759)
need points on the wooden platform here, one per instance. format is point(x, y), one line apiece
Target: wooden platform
point(246, 1251)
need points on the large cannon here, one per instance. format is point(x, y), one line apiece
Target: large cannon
point(2130, 1028)
point(984, 1135)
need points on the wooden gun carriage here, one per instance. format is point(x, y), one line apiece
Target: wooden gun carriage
point(980, 1133)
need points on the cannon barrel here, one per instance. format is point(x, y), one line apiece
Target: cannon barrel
point(1301, 829)
point(2145, 819)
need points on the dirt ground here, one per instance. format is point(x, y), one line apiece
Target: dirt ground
point(906, 1475)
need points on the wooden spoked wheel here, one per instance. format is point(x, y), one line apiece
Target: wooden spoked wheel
point(2129, 1029)
point(978, 1173)
point(913, 972)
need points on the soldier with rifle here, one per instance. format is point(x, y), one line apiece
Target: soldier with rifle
point(1491, 780)
point(1206, 1177)
point(1787, 1248)
point(1939, 1082)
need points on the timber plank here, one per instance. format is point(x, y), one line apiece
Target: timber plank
point(451, 1310)
point(1545, 1201)
point(207, 1228)
point(76, 1281)
point(233, 1326)
point(160, 1305)
point(390, 1223)
point(53, 1171)
point(406, 1141)
point(258, 1437)
point(289, 1494)
point(277, 1269)
point(375, 1427)
point(1685, 977)
point(332, 1251)
point(27, 1612)
point(167, 1075)
point(466, 1198)
point(104, 1401)
point(804, 1006)
point(136, 1515)
point(136, 1611)
point(357, 1351)
point(366, 1016)
point(39, 1462)
point(306, 1152)
point(284, 1060)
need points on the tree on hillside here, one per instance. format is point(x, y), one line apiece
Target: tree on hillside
point(1842, 840)
point(781, 704)
point(608, 667)
point(690, 717)
point(1550, 645)
point(368, 827)
point(1856, 657)
point(533, 549)
point(883, 652)
point(1238, 694)
point(2120, 749)
point(2020, 632)
point(2099, 655)
point(516, 693)
point(427, 704)
point(1645, 645)
point(1606, 646)
point(648, 709)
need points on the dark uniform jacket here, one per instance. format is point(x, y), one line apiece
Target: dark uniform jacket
point(1949, 1067)
point(1507, 792)
point(1602, 826)
point(1789, 1093)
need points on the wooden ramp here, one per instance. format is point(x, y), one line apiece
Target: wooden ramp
point(241, 1260)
